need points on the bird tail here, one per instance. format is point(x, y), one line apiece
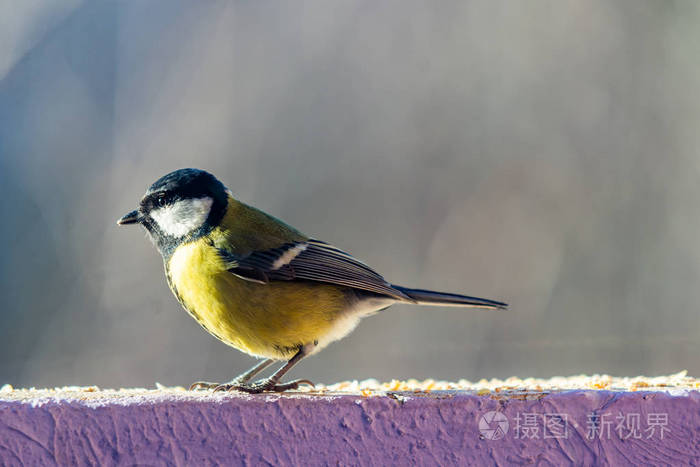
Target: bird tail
point(429, 297)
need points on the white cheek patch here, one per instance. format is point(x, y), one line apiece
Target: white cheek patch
point(182, 217)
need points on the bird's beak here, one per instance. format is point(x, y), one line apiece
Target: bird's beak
point(131, 218)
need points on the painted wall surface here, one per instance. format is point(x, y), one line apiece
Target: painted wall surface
point(575, 427)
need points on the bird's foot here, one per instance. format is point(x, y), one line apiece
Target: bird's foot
point(203, 385)
point(264, 385)
point(215, 386)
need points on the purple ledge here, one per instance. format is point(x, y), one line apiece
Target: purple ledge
point(579, 427)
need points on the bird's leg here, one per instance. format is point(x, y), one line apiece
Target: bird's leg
point(272, 383)
point(238, 380)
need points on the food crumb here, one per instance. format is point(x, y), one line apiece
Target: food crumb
point(526, 388)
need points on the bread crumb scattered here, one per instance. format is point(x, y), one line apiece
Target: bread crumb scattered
point(512, 387)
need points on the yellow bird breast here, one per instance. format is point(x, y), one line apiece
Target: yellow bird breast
point(266, 320)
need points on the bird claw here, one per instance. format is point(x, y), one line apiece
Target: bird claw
point(264, 385)
point(216, 386)
point(268, 385)
point(203, 385)
point(292, 385)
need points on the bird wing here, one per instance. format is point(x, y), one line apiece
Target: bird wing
point(311, 260)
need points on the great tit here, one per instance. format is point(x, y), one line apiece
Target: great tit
point(258, 284)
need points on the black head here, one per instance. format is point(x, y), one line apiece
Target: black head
point(180, 207)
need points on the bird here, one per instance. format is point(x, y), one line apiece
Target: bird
point(258, 284)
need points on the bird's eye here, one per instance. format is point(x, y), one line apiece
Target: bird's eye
point(161, 201)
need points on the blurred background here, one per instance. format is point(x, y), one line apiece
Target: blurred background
point(543, 153)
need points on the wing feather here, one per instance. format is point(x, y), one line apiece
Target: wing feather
point(311, 260)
